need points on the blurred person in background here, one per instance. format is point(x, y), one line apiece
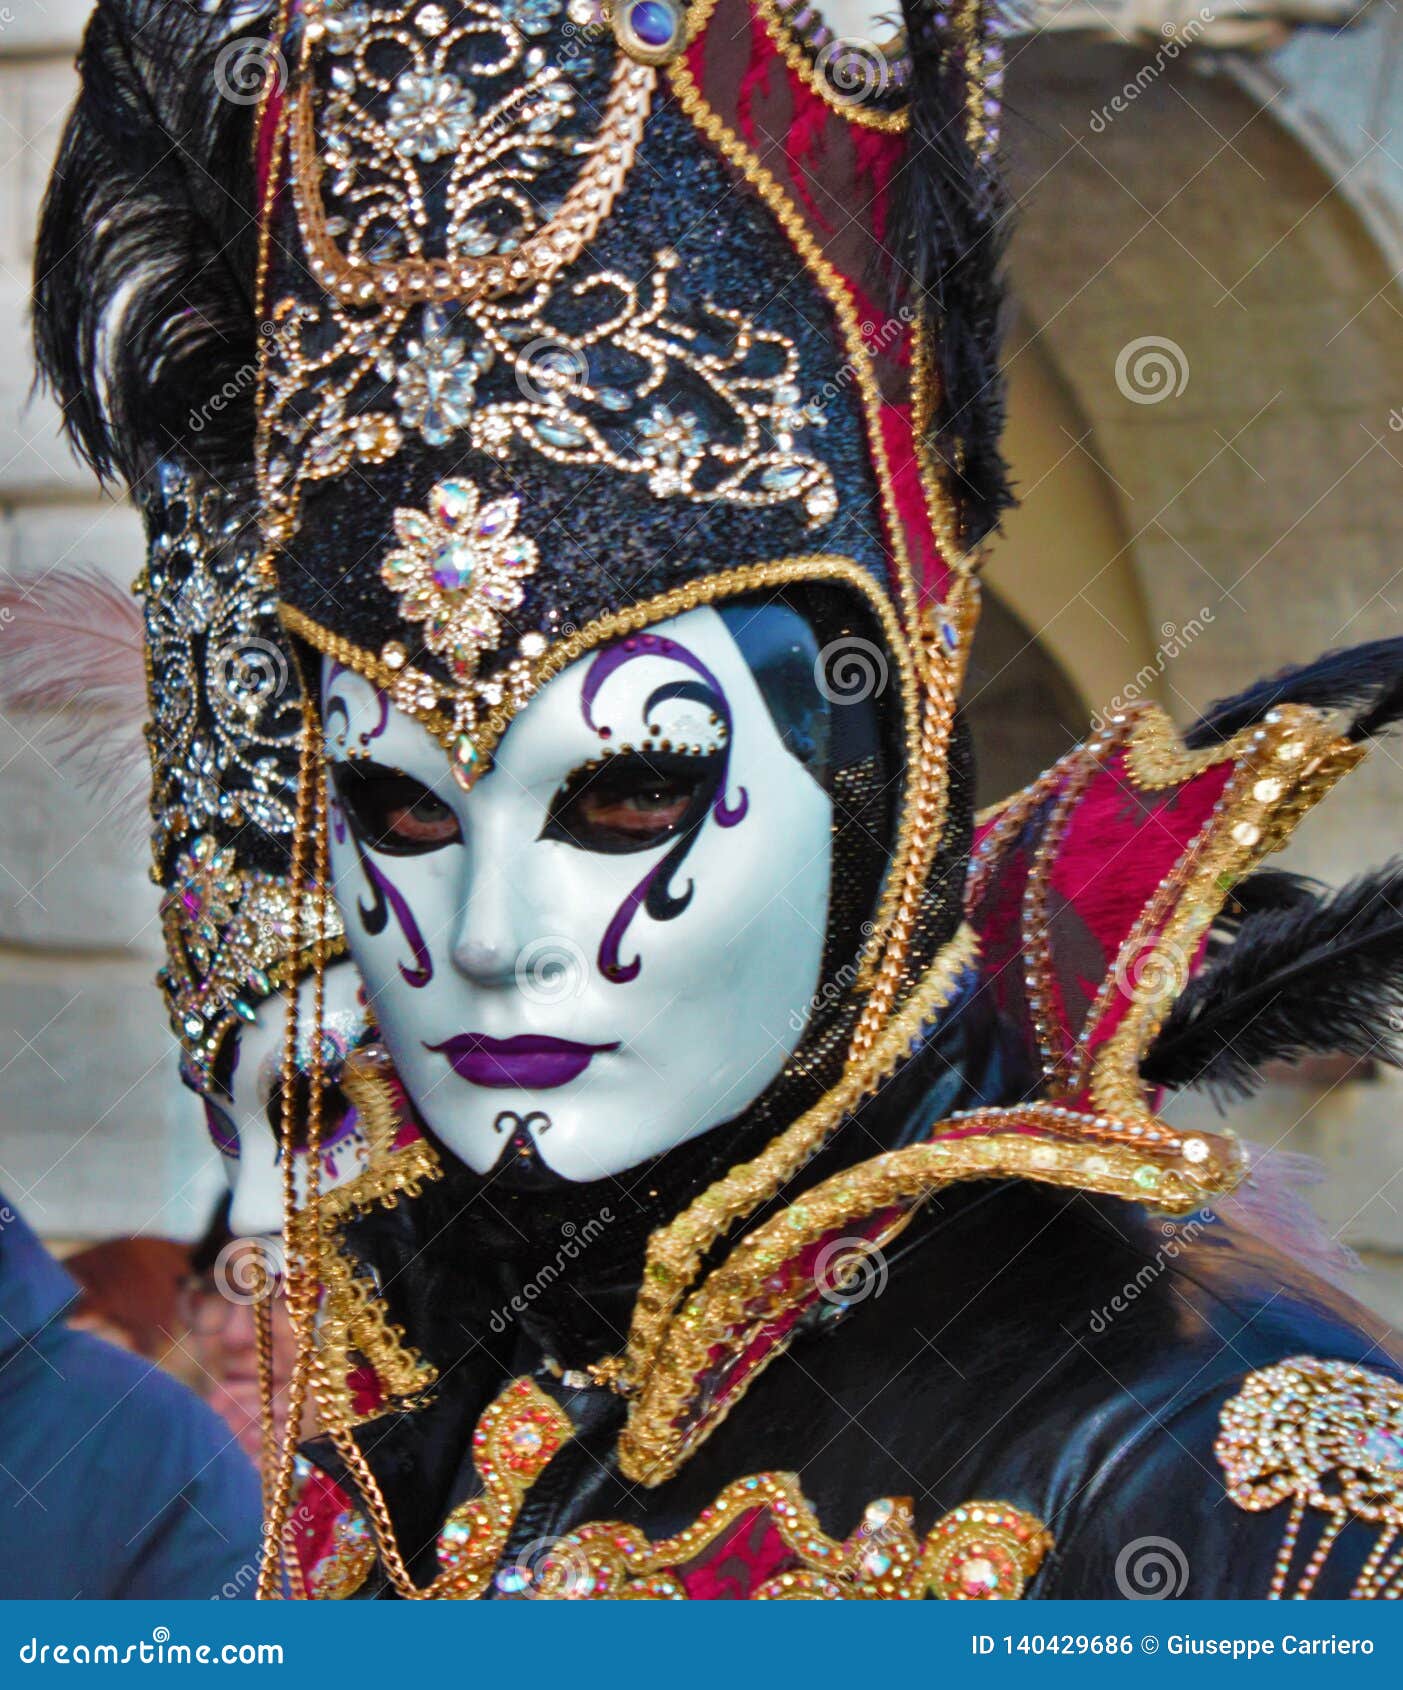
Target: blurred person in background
point(115, 1480)
point(221, 1319)
point(129, 1293)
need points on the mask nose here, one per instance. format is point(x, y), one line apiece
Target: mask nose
point(488, 940)
point(483, 959)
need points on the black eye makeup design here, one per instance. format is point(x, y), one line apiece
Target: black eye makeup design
point(632, 800)
point(392, 812)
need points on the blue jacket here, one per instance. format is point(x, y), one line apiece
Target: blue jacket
point(115, 1480)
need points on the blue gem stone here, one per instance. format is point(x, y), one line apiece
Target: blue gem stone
point(654, 23)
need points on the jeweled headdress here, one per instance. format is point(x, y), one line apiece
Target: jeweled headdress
point(538, 283)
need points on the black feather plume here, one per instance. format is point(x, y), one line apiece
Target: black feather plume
point(1365, 679)
point(1307, 976)
point(145, 261)
point(1267, 891)
point(949, 233)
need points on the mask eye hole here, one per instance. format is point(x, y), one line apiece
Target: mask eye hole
point(333, 1114)
point(632, 801)
point(392, 812)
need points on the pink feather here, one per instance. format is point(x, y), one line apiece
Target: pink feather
point(72, 651)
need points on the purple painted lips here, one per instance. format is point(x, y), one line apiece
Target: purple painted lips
point(529, 1062)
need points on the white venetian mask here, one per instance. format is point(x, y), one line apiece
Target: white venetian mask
point(607, 946)
point(245, 1119)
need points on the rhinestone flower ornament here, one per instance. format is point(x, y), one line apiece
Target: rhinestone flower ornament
point(428, 115)
point(208, 887)
point(436, 382)
point(458, 569)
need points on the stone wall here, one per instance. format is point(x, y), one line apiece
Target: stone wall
point(1229, 323)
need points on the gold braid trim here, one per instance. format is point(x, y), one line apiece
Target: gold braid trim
point(352, 1317)
point(979, 1551)
point(1115, 1146)
point(1283, 767)
point(972, 24)
point(1140, 1161)
point(710, 124)
point(558, 242)
point(801, 569)
point(851, 109)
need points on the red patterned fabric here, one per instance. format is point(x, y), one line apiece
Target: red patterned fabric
point(837, 175)
point(312, 1522)
point(1115, 842)
point(735, 1566)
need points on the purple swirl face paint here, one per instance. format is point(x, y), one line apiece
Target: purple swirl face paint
point(389, 897)
point(653, 893)
point(386, 896)
point(224, 1135)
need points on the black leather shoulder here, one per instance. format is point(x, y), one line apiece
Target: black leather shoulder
point(1066, 1355)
